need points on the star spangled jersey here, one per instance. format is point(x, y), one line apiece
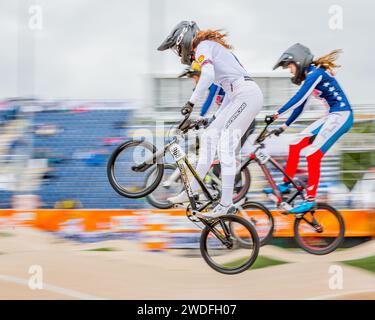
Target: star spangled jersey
point(323, 83)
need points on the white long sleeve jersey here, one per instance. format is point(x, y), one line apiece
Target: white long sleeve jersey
point(218, 65)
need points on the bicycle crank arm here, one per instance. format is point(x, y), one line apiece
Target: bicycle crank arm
point(317, 226)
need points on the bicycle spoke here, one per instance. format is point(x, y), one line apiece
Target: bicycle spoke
point(226, 257)
point(320, 231)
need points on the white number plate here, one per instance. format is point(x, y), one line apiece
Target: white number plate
point(176, 151)
point(262, 156)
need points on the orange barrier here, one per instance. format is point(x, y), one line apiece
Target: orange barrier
point(5, 217)
point(358, 223)
point(90, 219)
point(155, 232)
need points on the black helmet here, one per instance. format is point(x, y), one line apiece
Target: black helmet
point(180, 40)
point(301, 56)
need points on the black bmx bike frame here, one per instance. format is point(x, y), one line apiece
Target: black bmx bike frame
point(195, 207)
point(181, 163)
point(181, 160)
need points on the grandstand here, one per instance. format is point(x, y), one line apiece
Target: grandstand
point(79, 170)
point(65, 159)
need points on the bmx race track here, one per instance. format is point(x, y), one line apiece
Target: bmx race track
point(71, 270)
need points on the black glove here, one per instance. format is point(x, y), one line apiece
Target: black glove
point(269, 119)
point(187, 108)
point(278, 131)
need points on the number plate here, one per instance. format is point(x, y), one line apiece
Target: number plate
point(176, 151)
point(262, 156)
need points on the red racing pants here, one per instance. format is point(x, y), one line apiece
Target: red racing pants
point(316, 140)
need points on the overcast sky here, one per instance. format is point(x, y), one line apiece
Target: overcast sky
point(104, 49)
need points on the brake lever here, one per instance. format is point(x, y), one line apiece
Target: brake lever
point(183, 122)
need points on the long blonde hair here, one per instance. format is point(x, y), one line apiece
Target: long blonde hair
point(214, 35)
point(328, 61)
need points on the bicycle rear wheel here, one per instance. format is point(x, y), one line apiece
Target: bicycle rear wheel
point(320, 231)
point(129, 166)
point(220, 246)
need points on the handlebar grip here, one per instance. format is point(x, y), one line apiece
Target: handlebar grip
point(185, 111)
point(187, 108)
point(278, 131)
point(269, 119)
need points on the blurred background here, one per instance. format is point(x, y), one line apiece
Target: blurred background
point(78, 77)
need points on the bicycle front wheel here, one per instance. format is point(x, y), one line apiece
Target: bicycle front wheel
point(221, 244)
point(129, 166)
point(320, 231)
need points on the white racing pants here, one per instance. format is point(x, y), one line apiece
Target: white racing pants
point(225, 132)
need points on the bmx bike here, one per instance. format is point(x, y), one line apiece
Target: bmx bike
point(318, 231)
point(228, 244)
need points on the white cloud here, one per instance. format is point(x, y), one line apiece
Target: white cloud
point(96, 49)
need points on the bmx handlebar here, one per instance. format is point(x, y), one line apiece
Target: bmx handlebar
point(187, 124)
point(264, 134)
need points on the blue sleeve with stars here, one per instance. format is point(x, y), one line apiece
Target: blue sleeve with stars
point(299, 99)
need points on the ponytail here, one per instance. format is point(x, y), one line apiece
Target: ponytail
point(213, 35)
point(328, 61)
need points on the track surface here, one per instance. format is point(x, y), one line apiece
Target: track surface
point(72, 272)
